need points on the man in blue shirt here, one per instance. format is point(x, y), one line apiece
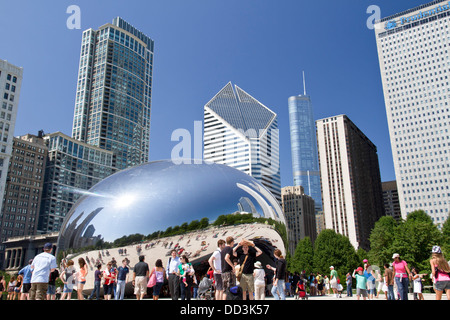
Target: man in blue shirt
point(122, 279)
point(26, 286)
point(42, 265)
point(174, 279)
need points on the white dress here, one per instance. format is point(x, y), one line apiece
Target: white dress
point(417, 285)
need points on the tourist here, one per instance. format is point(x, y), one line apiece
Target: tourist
point(334, 281)
point(361, 281)
point(140, 276)
point(215, 263)
point(247, 252)
point(51, 290)
point(185, 272)
point(228, 269)
point(11, 285)
point(160, 276)
point(380, 283)
point(68, 278)
point(389, 281)
point(122, 276)
point(2, 286)
point(97, 282)
point(82, 273)
point(440, 271)
point(349, 282)
point(280, 275)
point(417, 283)
point(401, 276)
point(26, 286)
point(171, 274)
point(259, 281)
point(368, 273)
point(42, 265)
point(109, 277)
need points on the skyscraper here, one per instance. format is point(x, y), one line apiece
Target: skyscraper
point(113, 99)
point(305, 163)
point(350, 179)
point(10, 85)
point(242, 133)
point(414, 65)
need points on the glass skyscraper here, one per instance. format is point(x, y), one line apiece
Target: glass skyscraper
point(305, 164)
point(112, 107)
point(242, 133)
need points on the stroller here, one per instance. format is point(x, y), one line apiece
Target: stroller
point(301, 290)
point(205, 289)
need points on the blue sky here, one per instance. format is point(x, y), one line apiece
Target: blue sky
point(200, 45)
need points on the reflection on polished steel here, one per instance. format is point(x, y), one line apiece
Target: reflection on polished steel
point(150, 198)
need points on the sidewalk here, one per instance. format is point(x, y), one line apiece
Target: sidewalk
point(427, 296)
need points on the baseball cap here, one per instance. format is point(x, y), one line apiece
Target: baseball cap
point(48, 246)
point(359, 269)
point(331, 267)
point(365, 260)
point(436, 249)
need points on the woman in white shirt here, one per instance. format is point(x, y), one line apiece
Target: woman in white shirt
point(259, 281)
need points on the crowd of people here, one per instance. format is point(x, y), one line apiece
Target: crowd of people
point(235, 272)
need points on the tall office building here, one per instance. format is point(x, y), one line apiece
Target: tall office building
point(414, 63)
point(10, 84)
point(23, 193)
point(114, 89)
point(305, 162)
point(242, 133)
point(300, 213)
point(390, 200)
point(350, 179)
point(73, 167)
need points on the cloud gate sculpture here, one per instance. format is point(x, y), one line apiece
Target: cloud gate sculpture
point(155, 207)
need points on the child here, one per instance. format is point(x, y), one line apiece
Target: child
point(417, 283)
point(361, 283)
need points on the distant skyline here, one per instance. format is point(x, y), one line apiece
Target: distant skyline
point(261, 46)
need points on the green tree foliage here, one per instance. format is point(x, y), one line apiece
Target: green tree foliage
point(333, 249)
point(445, 242)
point(303, 256)
point(381, 240)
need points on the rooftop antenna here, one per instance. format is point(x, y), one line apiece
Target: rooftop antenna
point(304, 84)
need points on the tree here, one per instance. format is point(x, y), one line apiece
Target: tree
point(333, 249)
point(445, 242)
point(381, 240)
point(303, 256)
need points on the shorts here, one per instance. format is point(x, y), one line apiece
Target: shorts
point(361, 292)
point(218, 281)
point(333, 284)
point(228, 280)
point(26, 287)
point(247, 283)
point(51, 289)
point(67, 289)
point(108, 289)
point(140, 285)
point(442, 285)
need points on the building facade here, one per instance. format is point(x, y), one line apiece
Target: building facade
point(23, 193)
point(390, 199)
point(10, 84)
point(305, 162)
point(73, 167)
point(242, 133)
point(414, 65)
point(350, 179)
point(114, 90)
point(300, 214)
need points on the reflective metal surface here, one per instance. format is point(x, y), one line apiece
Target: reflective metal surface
point(150, 198)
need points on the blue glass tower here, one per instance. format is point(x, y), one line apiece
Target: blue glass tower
point(305, 163)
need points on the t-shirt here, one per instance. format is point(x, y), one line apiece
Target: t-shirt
point(333, 274)
point(259, 277)
point(400, 269)
point(41, 266)
point(53, 276)
point(250, 262)
point(361, 281)
point(217, 262)
point(69, 276)
point(281, 269)
point(97, 276)
point(141, 269)
point(109, 276)
point(122, 273)
point(390, 277)
point(225, 266)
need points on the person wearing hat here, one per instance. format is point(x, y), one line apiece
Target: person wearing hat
point(401, 276)
point(260, 282)
point(361, 283)
point(440, 270)
point(42, 265)
point(334, 281)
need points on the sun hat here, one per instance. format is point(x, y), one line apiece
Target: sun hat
point(258, 265)
point(331, 267)
point(436, 249)
point(396, 255)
